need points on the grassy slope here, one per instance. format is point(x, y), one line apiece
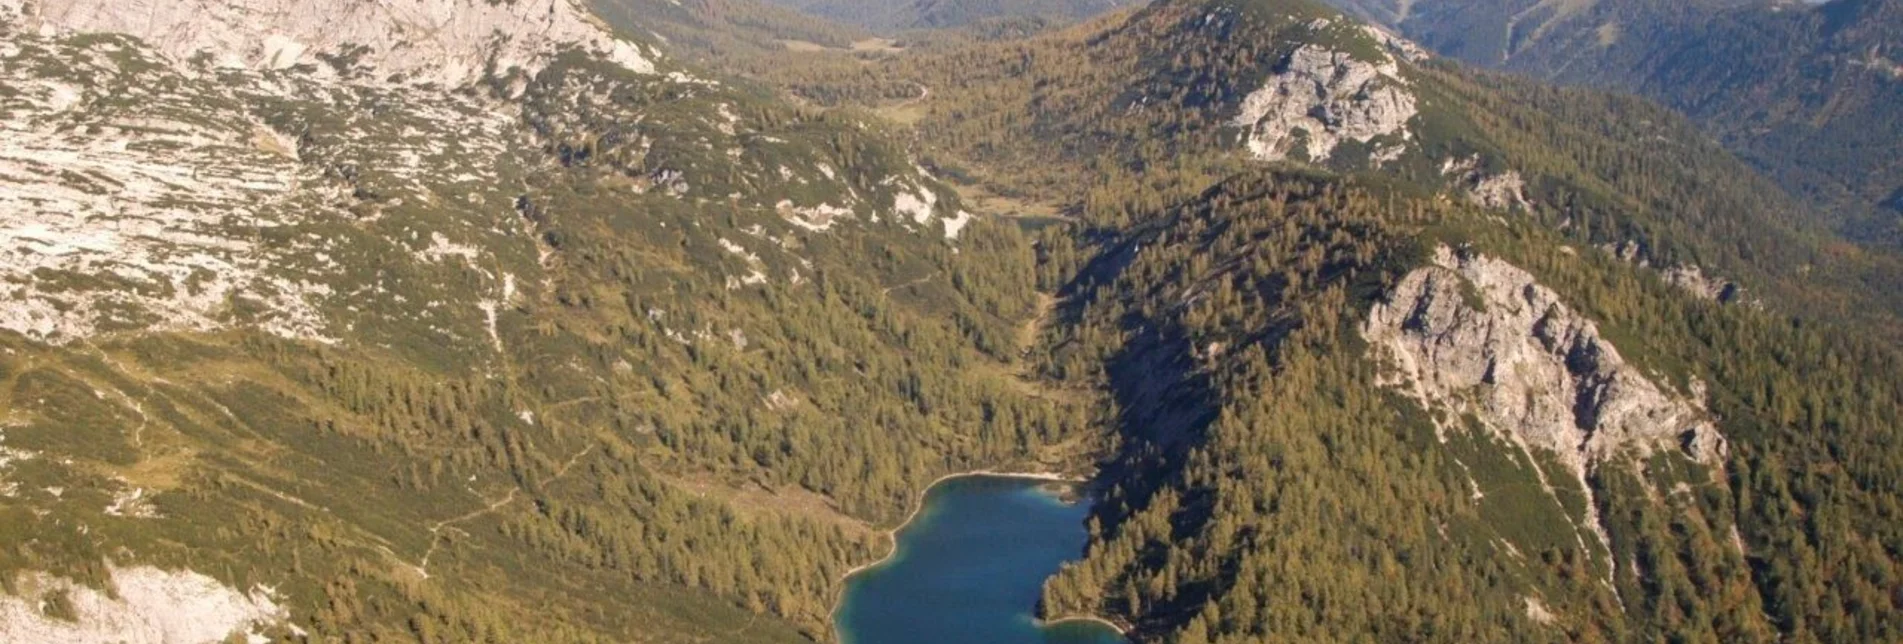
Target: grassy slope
point(421, 480)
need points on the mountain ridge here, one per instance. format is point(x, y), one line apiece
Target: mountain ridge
point(460, 39)
point(1805, 92)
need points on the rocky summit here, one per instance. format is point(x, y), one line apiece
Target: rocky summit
point(448, 43)
point(1321, 97)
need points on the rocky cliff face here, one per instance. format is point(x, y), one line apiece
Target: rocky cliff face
point(1321, 98)
point(1473, 334)
point(446, 42)
point(1500, 191)
point(1694, 280)
point(1690, 277)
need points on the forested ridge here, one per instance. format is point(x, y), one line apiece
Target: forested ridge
point(1271, 488)
point(1312, 503)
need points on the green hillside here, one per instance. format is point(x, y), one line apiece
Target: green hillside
point(1272, 486)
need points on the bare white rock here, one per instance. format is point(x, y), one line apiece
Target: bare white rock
point(919, 204)
point(1502, 191)
point(1471, 334)
point(145, 604)
point(1476, 334)
point(1322, 98)
point(1395, 44)
point(1693, 279)
point(956, 223)
point(445, 42)
point(1537, 611)
point(131, 198)
point(136, 196)
point(815, 218)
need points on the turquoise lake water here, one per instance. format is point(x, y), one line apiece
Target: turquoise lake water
point(969, 570)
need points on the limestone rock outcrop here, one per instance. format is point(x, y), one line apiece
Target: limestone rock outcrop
point(1692, 278)
point(142, 604)
point(1473, 334)
point(1499, 191)
point(444, 42)
point(1322, 98)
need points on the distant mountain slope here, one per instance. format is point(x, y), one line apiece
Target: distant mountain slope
point(900, 15)
point(745, 35)
point(1811, 94)
point(1297, 83)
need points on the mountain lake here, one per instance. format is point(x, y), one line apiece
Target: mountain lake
point(970, 567)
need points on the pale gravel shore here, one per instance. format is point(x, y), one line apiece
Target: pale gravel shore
point(1084, 618)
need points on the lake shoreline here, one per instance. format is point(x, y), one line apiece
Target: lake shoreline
point(892, 535)
point(892, 539)
point(1085, 618)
